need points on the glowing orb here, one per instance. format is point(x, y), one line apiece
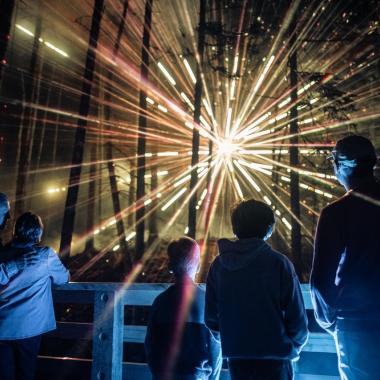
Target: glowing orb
point(226, 148)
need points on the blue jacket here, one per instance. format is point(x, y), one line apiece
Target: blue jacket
point(345, 278)
point(26, 304)
point(177, 317)
point(253, 298)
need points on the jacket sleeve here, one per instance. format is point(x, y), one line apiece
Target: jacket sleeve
point(7, 271)
point(57, 271)
point(328, 249)
point(216, 359)
point(211, 304)
point(293, 306)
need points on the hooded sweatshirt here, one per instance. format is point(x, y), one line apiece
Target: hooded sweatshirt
point(253, 298)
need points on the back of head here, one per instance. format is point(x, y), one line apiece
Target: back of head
point(183, 256)
point(358, 153)
point(252, 219)
point(28, 228)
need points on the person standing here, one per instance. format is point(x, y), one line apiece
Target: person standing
point(26, 304)
point(178, 344)
point(254, 299)
point(345, 276)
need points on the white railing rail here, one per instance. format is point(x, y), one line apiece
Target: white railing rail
point(108, 332)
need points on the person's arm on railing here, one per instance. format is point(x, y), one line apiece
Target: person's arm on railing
point(294, 308)
point(328, 249)
point(57, 271)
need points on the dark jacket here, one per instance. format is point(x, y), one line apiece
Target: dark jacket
point(253, 298)
point(177, 320)
point(345, 278)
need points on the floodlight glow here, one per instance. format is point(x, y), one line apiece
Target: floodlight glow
point(247, 176)
point(162, 108)
point(130, 236)
point(190, 71)
point(172, 200)
point(57, 50)
point(166, 73)
point(228, 121)
point(226, 148)
point(26, 31)
point(167, 154)
point(287, 224)
point(267, 200)
point(238, 189)
point(187, 100)
point(182, 180)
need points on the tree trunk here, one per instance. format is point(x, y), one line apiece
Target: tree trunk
point(109, 154)
point(197, 114)
point(141, 142)
point(80, 134)
point(26, 141)
point(294, 159)
point(153, 232)
point(90, 247)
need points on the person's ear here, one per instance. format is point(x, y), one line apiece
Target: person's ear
point(269, 232)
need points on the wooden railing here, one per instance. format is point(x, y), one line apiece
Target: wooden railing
point(108, 333)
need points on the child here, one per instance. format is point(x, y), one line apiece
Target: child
point(253, 299)
point(178, 344)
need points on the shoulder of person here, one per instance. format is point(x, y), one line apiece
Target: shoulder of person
point(337, 205)
point(45, 251)
point(281, 259)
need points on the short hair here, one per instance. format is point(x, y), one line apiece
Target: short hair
point(183, 255)
point(361, 150)
point(28, 227)
point(4, 201)
point(251, 219)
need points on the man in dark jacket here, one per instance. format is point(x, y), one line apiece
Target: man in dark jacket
point(345, 278)
point(178, 344)
point(253, 298)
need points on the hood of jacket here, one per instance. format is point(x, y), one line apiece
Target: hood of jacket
point(237, 254)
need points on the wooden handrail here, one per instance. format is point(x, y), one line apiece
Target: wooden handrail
point(108, 331)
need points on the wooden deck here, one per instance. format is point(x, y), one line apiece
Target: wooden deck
point(108, 334)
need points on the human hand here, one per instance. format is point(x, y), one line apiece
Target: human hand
point(27, 259)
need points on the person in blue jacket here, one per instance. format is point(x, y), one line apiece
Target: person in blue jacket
point(178, 345)
point(11, 262)
point(26, 304)
point(345, 278)
point(254, 299)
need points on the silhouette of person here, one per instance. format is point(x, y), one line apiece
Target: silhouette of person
point(26, 304)
point(178, 344)
point(345, 277)
point(254, 299)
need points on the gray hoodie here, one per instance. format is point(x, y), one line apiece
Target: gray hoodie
point(253, 298)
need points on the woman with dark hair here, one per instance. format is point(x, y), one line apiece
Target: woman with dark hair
point(178, 344)
point(26, 304)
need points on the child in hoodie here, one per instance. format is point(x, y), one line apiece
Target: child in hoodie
point(178, 344)
point(254, 300)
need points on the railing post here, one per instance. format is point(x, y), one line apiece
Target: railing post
point(107, 344)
